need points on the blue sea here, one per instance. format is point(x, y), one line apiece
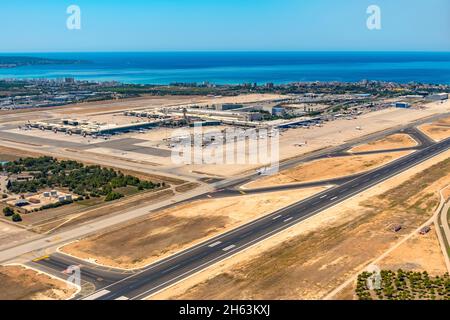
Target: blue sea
point(240, 67)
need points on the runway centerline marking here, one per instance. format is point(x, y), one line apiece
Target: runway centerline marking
point(333, 198)
point(288, 219)
point(170, 269)
point(277, 217)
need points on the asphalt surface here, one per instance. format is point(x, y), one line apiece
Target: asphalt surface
point(116, 284)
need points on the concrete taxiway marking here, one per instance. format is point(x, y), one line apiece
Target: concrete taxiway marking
point(212, 245)
point(170, 269)
point(97, 295)
point(122, 298)
point(229, 248)
point(245, 235)
point(288, 219)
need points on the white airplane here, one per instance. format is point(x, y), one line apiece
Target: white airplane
point(266, 170)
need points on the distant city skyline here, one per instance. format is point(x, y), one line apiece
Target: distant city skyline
point(232, 25)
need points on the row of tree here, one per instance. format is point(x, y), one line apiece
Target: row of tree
point(8, 212)
point(80, 179)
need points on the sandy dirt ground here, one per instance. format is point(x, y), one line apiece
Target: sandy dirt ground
point(311, 259)
point(11, 235)
point(436, 132)
point(19, 283)
point(420, 253)
point(325, 169)
point(395, 141)
point(180, 227)
point(446, 193)
point(10, 154)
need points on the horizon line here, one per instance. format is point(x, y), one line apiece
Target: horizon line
point(229, 51)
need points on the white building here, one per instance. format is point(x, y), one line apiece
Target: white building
point(437, 97)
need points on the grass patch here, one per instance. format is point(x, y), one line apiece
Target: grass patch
point(127, 191)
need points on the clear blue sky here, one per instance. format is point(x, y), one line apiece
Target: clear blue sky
point(164, 25)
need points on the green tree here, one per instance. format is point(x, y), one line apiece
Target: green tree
point(8, 212)
point(16, 217)
point(113, 196)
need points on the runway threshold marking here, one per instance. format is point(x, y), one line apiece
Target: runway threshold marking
point(122, 298)
point(229, 248)
point(212, 245)
point(97, 295)
point(245, 235)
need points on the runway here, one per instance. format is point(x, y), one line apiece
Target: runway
point(142, 283)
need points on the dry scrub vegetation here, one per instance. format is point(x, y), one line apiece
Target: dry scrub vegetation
point(436, 132)
point(395, 141)
point(19, 283)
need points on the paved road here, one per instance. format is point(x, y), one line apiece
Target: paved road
point(442, 224)
point(171, 270)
